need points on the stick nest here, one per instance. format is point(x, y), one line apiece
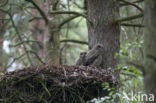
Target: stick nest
point(55, 84)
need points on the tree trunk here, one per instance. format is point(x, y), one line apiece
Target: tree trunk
point(53, 43)
point(49, 35)
point(102, 13)
point(150, 48)
point(40, 30)
point(103, 30)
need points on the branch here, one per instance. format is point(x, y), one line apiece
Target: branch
point(77, 5)
point(55, 4)
point(22, 42)
point(129, 18)
point(15, 45)
point(68, 20)
point(17, 58)
point(74, 41)
point(131, 74)
point(137, 1)
point(69, 12)
point(133, 4)
point(72, 12)
point(35, 18)
point(2, 5)
point(40, 11)
point(4, 19)
point(132, 25)
point(38, 57)
point(18, 34)
point(4, 11)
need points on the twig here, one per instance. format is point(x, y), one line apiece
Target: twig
point(132, 25)
point(61, 50)
point(46, 89)
point(129, 18)
point(69, 12)
point(65, 74)
point(17, 58)
point(18, 34)
point(74, 13)
point(40, 11)
point(4, 19)
point(137, 1)
point(15, 45)
point(55, 4)
point(133, 4)
point(38, 57)
point(35, 18)
point(20, 38)
point(77, 5)
point(68, 20)
point(128, 74)
point(2, 5)
point(74, 41)
point(20, 79)
point(64, 95)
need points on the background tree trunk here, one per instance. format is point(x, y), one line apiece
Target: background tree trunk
point(150, 47)
point(103, 13)
point(53, 42)
point(48, 34)
point(40, 30)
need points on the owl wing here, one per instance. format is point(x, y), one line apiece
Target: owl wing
point(97, 62)
point(90, 60)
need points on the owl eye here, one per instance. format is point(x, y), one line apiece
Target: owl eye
point(99, 46)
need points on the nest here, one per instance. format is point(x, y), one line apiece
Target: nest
point(54, 84)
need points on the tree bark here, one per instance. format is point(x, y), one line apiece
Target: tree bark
point(105, 31)
point(102, 13)
point(150, 48)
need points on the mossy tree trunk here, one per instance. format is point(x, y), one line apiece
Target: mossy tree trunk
point(150, 48)
point(53, 42)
